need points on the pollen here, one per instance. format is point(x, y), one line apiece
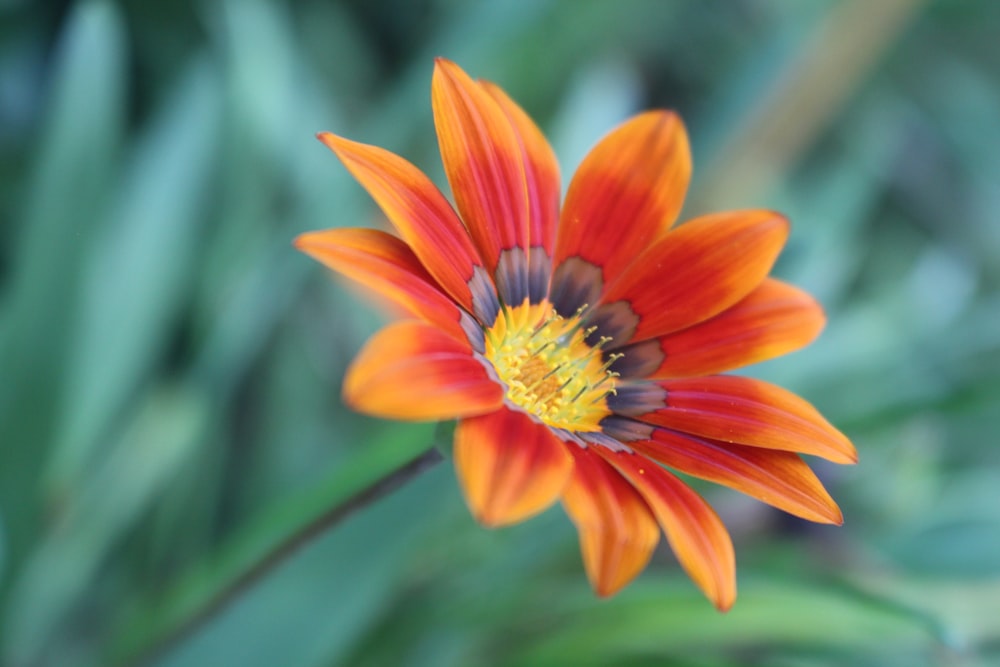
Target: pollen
point(548, 367)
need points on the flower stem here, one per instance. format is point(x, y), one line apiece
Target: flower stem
point(299, 538)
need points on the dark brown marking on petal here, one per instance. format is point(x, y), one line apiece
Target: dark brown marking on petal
point(640, 359)
point(576, 283)
point(491, 370)
point(485, 305)
point(473, 331)
point(512, 276)
point(616, 321)
point(604, 440)
point(626, 430)
point(539, 272)
point(563, 434)
point(635, 399)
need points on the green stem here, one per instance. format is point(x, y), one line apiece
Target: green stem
point(282, 552)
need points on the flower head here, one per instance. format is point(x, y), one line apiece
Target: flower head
point(580, 346)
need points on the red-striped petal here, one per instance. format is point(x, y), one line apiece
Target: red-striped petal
point(509, 466)
point(773, 320)
point(692, 527)
point(483, 159)
point(625, 195)
point(617, 530)
point(541, 171)
point(424, 219)
point(746, 411)
point(780, 479)
point(414, 371)
point(696, 271)
point(386, 265)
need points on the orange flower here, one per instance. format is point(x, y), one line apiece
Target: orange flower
point(580, 349)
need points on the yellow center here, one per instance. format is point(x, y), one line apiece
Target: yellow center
point(549, 369)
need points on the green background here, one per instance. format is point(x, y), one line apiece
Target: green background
point(170, 366)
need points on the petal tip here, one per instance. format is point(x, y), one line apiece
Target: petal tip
point(830, 514)
point(606, 582)
point(446, 64)
point(782, 222)
point(724, 596)
point(660, 116)
point(841, 450)
point(446, 68)
point(308, 241)
point(837, 519)
point(347, 150)
point(604, 592)
point(766, 223)
point(448, 81)
point(442, 62)
point(351, 396)
point(724, 605)
point(485, 518)
point(611, 584)
point(490, 514)
point(849, 450)
point(331, 141)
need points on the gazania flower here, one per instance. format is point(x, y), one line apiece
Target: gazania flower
point(580, 348)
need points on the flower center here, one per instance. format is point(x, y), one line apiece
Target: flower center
point(549, 369)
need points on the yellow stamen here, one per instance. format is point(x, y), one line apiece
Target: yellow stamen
point(548, 367)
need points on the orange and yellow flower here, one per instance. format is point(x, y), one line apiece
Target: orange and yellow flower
point(580, 347)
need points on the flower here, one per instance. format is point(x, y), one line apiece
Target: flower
point(581, 347)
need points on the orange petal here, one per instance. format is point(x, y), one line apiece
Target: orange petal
point(780, 479)
point(510, 467)
point(696, 271)
point(742, 410)
point(385, 264)
point(773, 320)
point(624, 196)
point(541, 171)
point(692, 527)
point(424, 219)
point(483, 159)
point(617, 530)
point(413, 371)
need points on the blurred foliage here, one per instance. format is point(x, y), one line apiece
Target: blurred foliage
point(170, 366)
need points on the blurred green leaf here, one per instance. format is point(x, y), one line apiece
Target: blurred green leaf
point(340, 581)
point(139, 466)
point(269, 531)
point(134, 286)
point(72, 170)
point(668, 619)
